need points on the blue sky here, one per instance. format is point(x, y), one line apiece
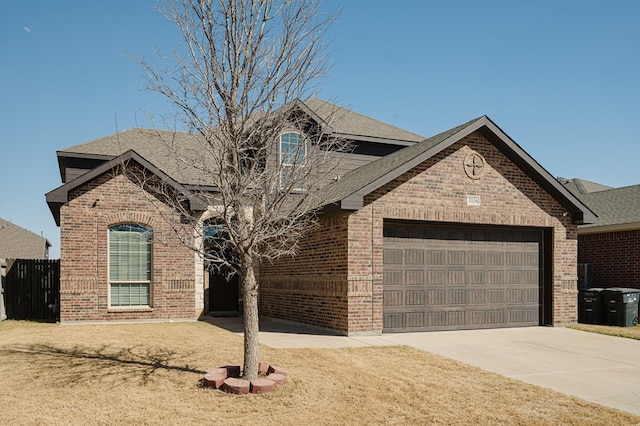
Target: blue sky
point(562, 78)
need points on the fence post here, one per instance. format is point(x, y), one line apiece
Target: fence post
point(3, 269)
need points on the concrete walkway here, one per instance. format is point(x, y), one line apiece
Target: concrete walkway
point(594, 367)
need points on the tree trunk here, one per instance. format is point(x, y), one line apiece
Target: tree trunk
point(251, 321)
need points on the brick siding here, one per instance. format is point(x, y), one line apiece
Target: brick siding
point(434, 191)
point(84, 224)
point(615, 257)
point(312, 288)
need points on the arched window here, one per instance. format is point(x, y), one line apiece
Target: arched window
point(293, 152)
point(130, 265)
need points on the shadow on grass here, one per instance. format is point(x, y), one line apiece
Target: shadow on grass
point(235, 324)
point(80, 364)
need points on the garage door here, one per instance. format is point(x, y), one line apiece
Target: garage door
point(455, 278)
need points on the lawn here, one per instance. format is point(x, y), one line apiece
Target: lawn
point(150, 374)
point(628, 332)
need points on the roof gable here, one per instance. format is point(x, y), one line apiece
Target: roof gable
point(59, 196)
point(349, 192)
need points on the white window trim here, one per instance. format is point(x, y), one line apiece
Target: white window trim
point(110, 307)
point(282, 165)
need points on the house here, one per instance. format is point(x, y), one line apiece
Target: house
point(458, 231)
point(19, 243)
point(611, 244)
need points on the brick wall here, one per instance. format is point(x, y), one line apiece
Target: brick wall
point(312, 288)
point(434, 191)
point(84, 224)
point(615, 257)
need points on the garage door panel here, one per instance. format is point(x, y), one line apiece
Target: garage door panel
point(392, 277)
point(495, 317)
point(392, 298)
point(436, 277)
point(523, 316)
point(496, 295)
point(476, 258)
point(477, 297)
point(495, 278)
point(476, 277)
point(415, 297)
point(477, 317)
point(530, 277)
point(393, 321)
point(457, 257)
point(436, 297)
point(414, 319)
point(392, 257)
point(414, 277)
point(456, 318)
point(414, 257)
point(457, 297)
point(435, 257)
point(458, 278)
point(436, 319)
point(495, 258)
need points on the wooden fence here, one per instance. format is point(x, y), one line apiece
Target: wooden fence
point(32, 289)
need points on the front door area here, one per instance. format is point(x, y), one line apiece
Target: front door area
point(223, 294)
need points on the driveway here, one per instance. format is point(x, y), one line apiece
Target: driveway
point(597, 368)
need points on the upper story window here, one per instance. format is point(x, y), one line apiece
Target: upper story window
point(130, 265)
point(293, 152)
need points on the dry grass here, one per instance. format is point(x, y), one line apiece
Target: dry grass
point(149, 374)
point(628, 332)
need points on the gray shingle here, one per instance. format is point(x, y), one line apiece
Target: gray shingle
point(351, 124)
point(616, 206)
point(581, 186)
point(19, 243)
point(185, 149)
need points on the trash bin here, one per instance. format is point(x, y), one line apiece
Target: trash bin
point(590, 307)
point(621, 306)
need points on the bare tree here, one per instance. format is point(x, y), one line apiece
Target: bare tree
point(235, 83)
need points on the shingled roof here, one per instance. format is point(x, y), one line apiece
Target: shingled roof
point(19, 243)
point(151, 144)
point(581, 186)
point(348, 193)
point(617, 208)
point(345, 123)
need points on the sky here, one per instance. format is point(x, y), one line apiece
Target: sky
point(561, 78)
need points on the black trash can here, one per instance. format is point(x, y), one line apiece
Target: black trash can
point(621, 306)
point(590, 306)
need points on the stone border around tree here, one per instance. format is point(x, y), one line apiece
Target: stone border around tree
point(227, 379)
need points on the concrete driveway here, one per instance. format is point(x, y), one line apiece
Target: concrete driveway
point(597, 368)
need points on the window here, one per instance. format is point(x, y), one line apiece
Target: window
point(293, 151)
point(130, 265)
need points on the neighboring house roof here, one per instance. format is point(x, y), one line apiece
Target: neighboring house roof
point(618, 209)
point(19, 243)
point(349, 192)
point(581, 186)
